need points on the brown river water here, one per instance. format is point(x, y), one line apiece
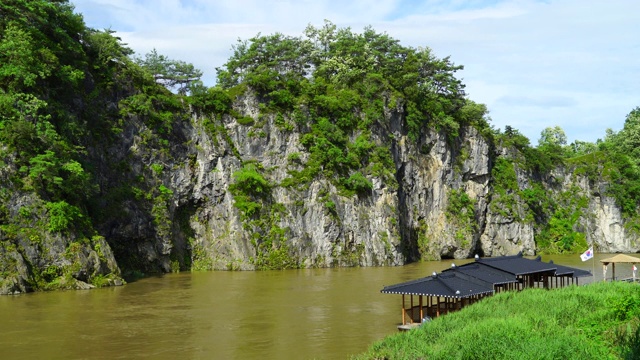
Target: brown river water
point(293, 314)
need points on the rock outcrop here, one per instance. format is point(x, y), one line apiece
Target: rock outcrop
point(397, 222)
point(166, 204)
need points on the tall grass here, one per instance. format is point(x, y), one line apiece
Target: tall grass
point(597, 321)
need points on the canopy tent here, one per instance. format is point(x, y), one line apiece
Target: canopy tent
point(620, 258)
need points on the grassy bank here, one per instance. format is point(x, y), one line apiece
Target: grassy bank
point(597, 321)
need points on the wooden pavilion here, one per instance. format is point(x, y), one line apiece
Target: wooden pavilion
point(460, 286)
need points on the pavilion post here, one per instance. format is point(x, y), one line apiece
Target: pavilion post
point(421, 309)
point(404, 322)
point(412, 314)
point(613, 271)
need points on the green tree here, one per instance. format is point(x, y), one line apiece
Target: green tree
point(627, 140)
point(552, 136)
point(21, 64)
point(580, 148)
point(173, 74)
point(108, 56)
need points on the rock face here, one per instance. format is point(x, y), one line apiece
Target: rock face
point(33, 258)
point(603, 222)
point(166, 203)
point(443, 204)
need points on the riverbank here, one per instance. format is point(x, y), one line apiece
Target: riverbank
point(598, 320)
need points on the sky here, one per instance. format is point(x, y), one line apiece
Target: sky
point(534, 63)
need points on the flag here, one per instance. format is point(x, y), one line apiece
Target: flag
point(587, 254)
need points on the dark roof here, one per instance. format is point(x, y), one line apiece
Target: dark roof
point(479, 277)
point(485, 273)
point(566, 270)
point(518, 265)
point(450, 284)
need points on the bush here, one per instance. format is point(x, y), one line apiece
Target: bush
point(249, 189)
point(249, 181)
point(62, 215)
point(358, 183)
point(245, 120)
point(211, 100)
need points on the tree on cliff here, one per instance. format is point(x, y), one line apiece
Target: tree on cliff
point(174, 74)
point(622, 158)
point(627, 140)
point(328, 63)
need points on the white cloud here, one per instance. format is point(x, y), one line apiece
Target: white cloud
point(571, 63)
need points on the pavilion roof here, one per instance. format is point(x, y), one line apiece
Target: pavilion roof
point(481, 276)
point(451, 284)
point(566, 270)
point(518, 265)
point(621, 258)
point(485, 273)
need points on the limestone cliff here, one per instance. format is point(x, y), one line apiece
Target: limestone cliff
point(442, 204)
point(167, 205)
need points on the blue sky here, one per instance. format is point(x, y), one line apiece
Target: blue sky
point(535, 64)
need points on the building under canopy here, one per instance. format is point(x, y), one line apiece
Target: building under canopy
point(459, 286)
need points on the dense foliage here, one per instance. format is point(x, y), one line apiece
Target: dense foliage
point(597, 321)
point(333, 84)
point(65, 89)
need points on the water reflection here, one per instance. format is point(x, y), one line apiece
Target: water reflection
point(299, 314)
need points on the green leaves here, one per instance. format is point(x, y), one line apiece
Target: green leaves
point(340, 73)
point(62, 215)
point(249, 181)
point(249, 189)
point(358, 183)
point(561, 234)
point(174, 74)
point(20, 66)
point(56, 178)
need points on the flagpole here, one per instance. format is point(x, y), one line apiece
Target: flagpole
point(594, 260)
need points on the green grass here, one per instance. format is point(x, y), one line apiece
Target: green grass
point(597, 321)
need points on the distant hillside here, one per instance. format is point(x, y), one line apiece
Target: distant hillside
point(333, 148)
